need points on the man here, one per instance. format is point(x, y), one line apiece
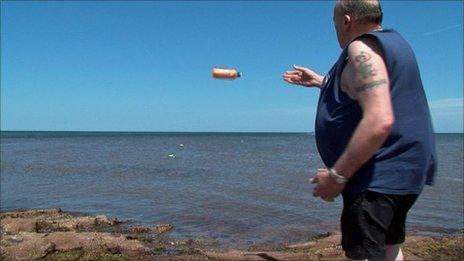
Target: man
point(373, 131)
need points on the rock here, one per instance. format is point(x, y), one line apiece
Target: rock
point(13, 226)
point(8, 241)
point(122, 245)
point(138, 230)
point(31, 213)
point(50, 225)
point(26, 246)
point(39, 251)
point(66, 241)
point(74, 224)
point(29, 246)
point(89, 241)
point(103, 220)
point(163, 228)
point(302, 245)
point(54, 235)
point(85, 223)
point(50, 220)
point(20, 241)
point(265, 255)
point(332, 239)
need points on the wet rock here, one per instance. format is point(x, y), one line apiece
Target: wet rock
point(163, 228)
point(86, 224)
point(122, 245)
point(66, 237)
point(74, 224)
point(31, 213)
point(102, 220)
point(333, 239)
point(50, 220)
point(302, 245)
point(138, 230)
point(54, 235)
point(265, 255)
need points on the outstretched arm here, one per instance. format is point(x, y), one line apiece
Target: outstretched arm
point(303, 76)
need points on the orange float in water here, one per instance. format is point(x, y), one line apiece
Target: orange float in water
point(223, 73)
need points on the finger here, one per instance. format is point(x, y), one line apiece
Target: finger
point(313, 180)
point(299, 68)
point(292, 81)
point(293, 77)
point(315, 192)
point(328, 199)
point(293, 72)
point(316, 179)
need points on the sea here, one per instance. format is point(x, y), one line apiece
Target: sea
point(235, 190)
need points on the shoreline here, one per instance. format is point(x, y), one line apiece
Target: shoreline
point(50, 234)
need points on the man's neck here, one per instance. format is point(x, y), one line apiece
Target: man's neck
point(365, 29)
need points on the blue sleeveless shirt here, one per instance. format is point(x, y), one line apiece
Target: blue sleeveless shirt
point(407, 159)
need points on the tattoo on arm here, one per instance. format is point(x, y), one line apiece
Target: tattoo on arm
point(370, 85)
point(365, 68)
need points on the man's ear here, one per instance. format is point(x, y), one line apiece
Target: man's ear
point(346, 22)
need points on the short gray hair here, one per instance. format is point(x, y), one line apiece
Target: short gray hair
point(363, 11)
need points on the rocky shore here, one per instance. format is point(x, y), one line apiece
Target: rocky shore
point(50, 234)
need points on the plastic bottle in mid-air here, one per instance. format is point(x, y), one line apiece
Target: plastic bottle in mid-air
point(223, 73)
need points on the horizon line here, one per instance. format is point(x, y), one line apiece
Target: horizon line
point(113, 131)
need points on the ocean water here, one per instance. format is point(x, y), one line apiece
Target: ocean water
point(235, 189)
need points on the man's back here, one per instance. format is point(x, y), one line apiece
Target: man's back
point(408, 155)
point(373, 131)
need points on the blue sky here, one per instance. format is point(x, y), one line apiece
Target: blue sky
point(146, 66)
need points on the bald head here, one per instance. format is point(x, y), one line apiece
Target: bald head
point(362, 11)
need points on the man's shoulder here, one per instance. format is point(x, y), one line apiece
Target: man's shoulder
point(375, 37)
point(363, 42)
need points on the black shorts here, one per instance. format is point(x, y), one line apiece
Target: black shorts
point(372, 220)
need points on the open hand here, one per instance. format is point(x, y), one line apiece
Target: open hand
point(303, 76)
